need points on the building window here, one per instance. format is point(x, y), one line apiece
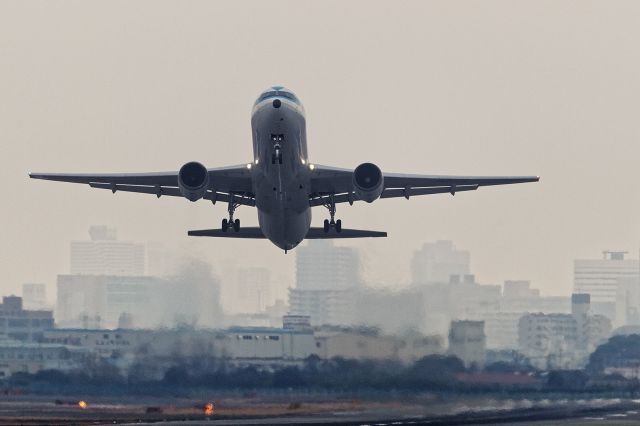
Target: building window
point(247, 337)
point(274, 337)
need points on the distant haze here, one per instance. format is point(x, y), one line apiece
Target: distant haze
point(494, 87)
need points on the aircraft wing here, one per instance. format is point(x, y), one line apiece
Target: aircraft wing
point(338, 182)
point(225, 182)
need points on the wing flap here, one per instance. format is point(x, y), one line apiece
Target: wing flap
point(393, 193)
point(159, 191)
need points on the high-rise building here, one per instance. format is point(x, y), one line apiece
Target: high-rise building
point(253, 289)
point(322, 266)
point(326, 280)
point(393, 311)
point(34, 296)
point(628, 301)
point(324, 307)
point(103, 254)
point(600, 277)
point(436, 262)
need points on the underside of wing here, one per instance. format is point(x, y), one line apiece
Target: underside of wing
point(337, 184)
point(224, 183)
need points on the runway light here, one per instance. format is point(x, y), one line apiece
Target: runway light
point(256, 161)
point(83, 404)
point(311, 166)
point(208, 409)
point(303, 161)
point(249, 166)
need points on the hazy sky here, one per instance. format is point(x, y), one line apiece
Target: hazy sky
point(493, 87)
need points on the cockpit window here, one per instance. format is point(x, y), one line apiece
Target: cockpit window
point(266, 95)
point(280, 92)
point(289, 96)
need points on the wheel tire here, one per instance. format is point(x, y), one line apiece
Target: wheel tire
point(225, 225)
point(236, 225)
point(326, 226)
point(338, 225)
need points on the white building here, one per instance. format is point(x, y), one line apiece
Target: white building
point(324, 307)
point(100, 300)
point(599, 278)
point(34, 296)
point(327, 277)
point(436, 262)
point(24, 357)
point(322, 266)
point(628, 301)
point(501, 329)
point(518, 296)
point(562, 341)
point(103, 254)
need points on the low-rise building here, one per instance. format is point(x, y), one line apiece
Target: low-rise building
point(467, 341)
point(370, 343)
point(562, 341)
point(21, 324)
point(25, 357)
point(501, 329)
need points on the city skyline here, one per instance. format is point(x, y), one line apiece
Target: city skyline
point(96, 248)
point(329, 288)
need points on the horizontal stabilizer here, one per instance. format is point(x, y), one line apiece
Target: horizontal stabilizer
point(313, 234)
point(318, 233)
point(245, 232)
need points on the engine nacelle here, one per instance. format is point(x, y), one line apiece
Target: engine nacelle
point(193, 181)
point(368, 182)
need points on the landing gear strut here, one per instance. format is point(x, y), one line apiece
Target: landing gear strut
point(230, 223)
point(328, 224)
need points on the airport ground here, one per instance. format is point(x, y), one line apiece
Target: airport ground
point(315, 409)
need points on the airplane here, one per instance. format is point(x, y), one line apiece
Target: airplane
point(281, 181)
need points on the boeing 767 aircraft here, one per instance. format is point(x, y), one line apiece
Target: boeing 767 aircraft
point(281, 182)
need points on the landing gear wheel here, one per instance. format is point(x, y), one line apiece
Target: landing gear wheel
point(326, 225)
point(338, 225)
point(236, 225)
point(225, 225)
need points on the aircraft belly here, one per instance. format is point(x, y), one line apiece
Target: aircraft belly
point(281, 178)
point(284, 222)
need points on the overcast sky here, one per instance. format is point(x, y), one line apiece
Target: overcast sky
point(494, 87)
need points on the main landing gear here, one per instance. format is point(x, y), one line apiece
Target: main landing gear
point(332, 223)
point(230, 223)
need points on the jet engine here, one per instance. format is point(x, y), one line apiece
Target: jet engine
point(193, 180)
point(368, 182)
